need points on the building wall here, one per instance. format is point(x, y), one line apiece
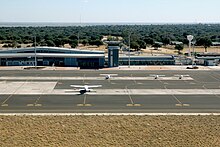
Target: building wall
point(49, 61)
point(113, 56)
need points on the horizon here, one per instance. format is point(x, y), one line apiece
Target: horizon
point(76, 24)
point(114, 11)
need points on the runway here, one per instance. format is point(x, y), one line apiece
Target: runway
point(130, 92)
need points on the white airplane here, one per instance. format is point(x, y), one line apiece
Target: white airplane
point(108, 76)
point(181, 76)
point(85, 88)
point(157, 76)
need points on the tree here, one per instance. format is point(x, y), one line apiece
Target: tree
point(85, 42)
point(206, 42)
point(135, 45)
point(74, 43)
point(166, 40)
point(58, 42)
point(96, 42)
point(149, 41)
point(50, 43)
point(179, 47)
point(142, 44)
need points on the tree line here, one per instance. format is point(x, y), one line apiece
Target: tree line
point(140, 35)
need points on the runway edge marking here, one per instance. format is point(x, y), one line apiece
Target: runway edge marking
point(109, 114)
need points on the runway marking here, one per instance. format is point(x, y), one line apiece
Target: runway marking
point(83, 78)
point(182, 105)
point(84, 103)
point(133, 105)
point(204, 86)
point(140, 83)
point(192, 83)
point(4, 102)
point(135, 82)
point(214, 77)
point(178, 105)
point(4, 105)
point(132, 102)
point(186, 105)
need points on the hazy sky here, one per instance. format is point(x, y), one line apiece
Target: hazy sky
point(148, 11)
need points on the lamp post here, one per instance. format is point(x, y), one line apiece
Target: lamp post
point(193, 56)
point(129, 55)
point(35, 53)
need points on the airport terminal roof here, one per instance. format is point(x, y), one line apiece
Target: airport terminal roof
point(29, 55)
point(52, 48)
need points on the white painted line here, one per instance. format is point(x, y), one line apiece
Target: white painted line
point(91, 78)
point(115, 92)
point(109, 114)
point(38, 105)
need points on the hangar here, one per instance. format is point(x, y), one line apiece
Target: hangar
point(48, 56)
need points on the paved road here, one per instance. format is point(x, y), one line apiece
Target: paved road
point(122, 103)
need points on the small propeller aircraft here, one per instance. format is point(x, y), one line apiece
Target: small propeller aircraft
point(181, 76)
point(157, 76)
point(85, 88)
point(108, 76)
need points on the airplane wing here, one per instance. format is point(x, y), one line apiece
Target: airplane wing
point(94, 86)
point(77, 86)
point(108, 74)
point(181, 75)
point(186, 75)
point(157, 75)
point(161, 75)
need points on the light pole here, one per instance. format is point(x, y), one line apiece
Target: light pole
point(193, 56)
point(35, 53)
point(129, 55)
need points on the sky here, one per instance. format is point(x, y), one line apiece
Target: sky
point(111, 11)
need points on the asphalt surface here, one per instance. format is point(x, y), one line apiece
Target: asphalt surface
point(126, 103)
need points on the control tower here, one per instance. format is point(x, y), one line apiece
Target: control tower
point(113, 53)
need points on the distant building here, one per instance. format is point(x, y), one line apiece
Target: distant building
point(147, 60)
point(176, 43)
point(210, 59)
point(160, 43)
point(215, 43)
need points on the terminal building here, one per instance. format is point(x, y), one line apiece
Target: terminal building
point(147, 60)
point(53, 56)
point(48, 56)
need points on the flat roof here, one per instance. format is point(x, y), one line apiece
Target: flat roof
point(20, 55)
point(52, 48)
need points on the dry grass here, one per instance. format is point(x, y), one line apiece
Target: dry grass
point(202, 49)
point(114, 131)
